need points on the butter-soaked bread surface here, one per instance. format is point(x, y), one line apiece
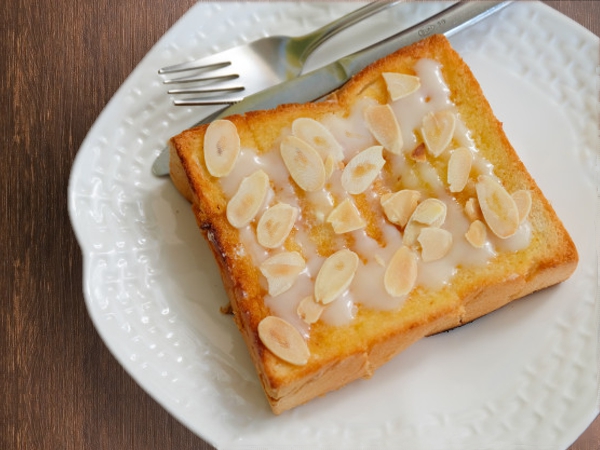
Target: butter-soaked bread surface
point(347, 229)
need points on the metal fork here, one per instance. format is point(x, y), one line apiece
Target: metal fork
point(252, 67)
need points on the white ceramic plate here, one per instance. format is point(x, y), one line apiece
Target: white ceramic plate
point(523, 377)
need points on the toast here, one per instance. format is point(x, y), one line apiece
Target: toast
point(347, 229)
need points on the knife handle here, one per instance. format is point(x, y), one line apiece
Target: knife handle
point(449, 21)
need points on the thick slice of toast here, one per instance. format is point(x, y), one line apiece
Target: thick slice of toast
point(409, 215)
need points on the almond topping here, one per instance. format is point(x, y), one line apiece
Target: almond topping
point(381, 122)
point(459, 168)
point(476, 235)
point(329, 165)
point(275, 225)
point(400, 85)
point(435, 243)
point(430, 212)
point(248, 199)
point(221, 147)
point(345, 217)
point(472, 209)
point(309, 310)
point(304, 163)
point(401, 273)
point(335, 275)
point(522, 199)
point(498, 207)
point(399, 206)
point(438, 129)
point(283, 340)
point(362, 170)
point(282, 270)
point(419, 153)
point(411, 232)
point(318, 137)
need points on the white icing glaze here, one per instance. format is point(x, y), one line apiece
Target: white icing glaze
point(367, 289)
point(433, 95)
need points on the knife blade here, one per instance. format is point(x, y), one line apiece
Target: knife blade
point(320, 82)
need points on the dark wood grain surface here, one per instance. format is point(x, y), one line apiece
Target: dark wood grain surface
point(60, 63)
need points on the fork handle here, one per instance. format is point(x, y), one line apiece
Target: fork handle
point(303, 46)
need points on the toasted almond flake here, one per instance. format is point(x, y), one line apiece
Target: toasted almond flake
point(362, 170)
point(379, 260)
point(283, 340)
point(399, 206)
point(419, 153)
point(318, 137)
point(431, 211)
point(335, 275)
point(411, 233)
point(476, 235)
point(282, 270)
point(472, 209)
point(438, 129)
point(309, 310)
point(401, 272)
point(400, 84)
point(275, 225)
point(329, 165)
point(459, 168)
point(523, 200)
point(498, 207)
point(248, 199)
point(383, 125)
point(345, 217)
point(221, 147)
point(304, 163)
point(435, 243)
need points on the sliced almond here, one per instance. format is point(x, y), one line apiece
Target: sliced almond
point(304, 163)
point(221, 147)
point(329, 165)
point(472, 209)
point(318, 137)
point(476, 235)
point(401, 272)
point(335, 275)
point(248, 199)
point(282, 270)
point(419, 153)
point(309, 310)
point(523, 200)
point(362, 170)
point(399, 206)
point(345, 217)
point(438, 129)
point(430, 212)
point(411, 232)
point(275, 225)
point(400, 84)
point(283, 340)
point(435, 243)
point(498, 207)
point(459, 168)
point(383, 125)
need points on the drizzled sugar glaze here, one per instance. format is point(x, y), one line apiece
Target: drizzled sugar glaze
point(374, 251)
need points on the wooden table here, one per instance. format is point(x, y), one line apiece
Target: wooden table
point(61, 388)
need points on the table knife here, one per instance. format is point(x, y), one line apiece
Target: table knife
point(320, 82)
